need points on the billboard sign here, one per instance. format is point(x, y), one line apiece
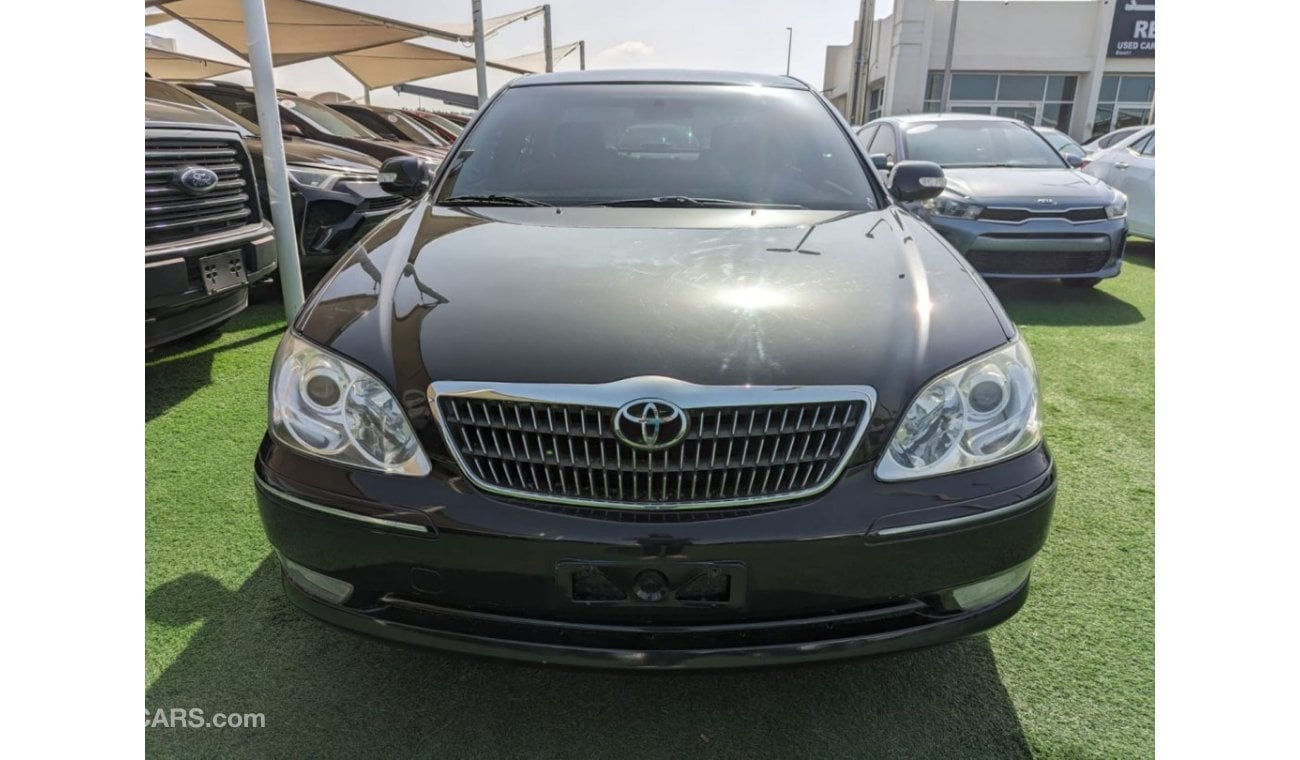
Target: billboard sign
point(1133, 31)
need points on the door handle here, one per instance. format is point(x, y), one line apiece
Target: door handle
point(1121, 164)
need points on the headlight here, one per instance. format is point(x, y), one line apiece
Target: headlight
point(325, 407)
point(950, 205)
point(324, 179)
point(982, 412)
point(1118, 208)
point(313, 177)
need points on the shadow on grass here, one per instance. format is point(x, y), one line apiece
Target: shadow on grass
point(1048, 302)
point(1140, 253)
point(330, 693)
point(175, 371)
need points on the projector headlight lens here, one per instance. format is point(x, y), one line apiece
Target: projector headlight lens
point(982, 412)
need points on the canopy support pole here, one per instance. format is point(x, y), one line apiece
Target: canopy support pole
point(480, 55)
point(546, 38)
point(582, 55)
point(277, 177)
point(367, 96)
point(947, 61)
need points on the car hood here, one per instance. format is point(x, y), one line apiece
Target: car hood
point(159, 114)
point(996, 184)
point(311, 152)
point(413, 148)
point(594, 295)
point(305, 152)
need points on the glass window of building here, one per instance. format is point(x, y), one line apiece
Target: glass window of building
point(874, 101)
point(1036, 99)
point(1123, 101)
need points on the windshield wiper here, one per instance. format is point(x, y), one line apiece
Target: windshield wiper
point(683, 200)
point(492, 199)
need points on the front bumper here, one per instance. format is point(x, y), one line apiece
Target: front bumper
point(864, 568)
point(176, 303)
point(1039, 248)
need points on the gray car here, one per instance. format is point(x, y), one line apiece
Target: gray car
point(1013, 206)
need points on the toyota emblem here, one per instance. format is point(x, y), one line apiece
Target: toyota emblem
point(650, 424)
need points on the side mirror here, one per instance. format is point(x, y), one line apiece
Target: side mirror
point(880, 161)
point(407, 176)
point(290, 130)
point(917, 180)
point(1074, 160)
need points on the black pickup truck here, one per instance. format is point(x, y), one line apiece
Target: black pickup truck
point(205, 236)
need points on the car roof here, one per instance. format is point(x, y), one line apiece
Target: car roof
point(921, 118)
point(215, 85)
point(657, 76)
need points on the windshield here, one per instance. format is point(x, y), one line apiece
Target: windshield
point(957, 144)
point(1062, 143)
point(442, 121)
point(373, 122)
point(607, 143)
point(325, 118)
point(416, 131)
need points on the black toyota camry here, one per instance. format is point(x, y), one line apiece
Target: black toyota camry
point(656, 374)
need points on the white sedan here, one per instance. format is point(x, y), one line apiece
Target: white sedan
point(1130, 167)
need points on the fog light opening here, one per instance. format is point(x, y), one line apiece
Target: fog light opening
point(317, 584)
point(989, 590)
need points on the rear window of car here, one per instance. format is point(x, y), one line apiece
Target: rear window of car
point(1115, 137)
point(597, 143)
point(975, 143)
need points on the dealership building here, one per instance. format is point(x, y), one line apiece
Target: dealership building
point(1083, 66)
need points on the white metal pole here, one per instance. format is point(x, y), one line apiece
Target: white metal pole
point(947, 64)
point(480, 56)
point(789, 45)
point(277, 178)
point(582, 55)
point(855, 81)
point(546, 37)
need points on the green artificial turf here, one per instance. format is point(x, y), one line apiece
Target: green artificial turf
point(1071, 676)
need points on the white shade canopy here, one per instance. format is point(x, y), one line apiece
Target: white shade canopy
point(533, 63)
point(167, 64)
point(402, 62)
point(300, 30)
point(377, 51)
point(491, 25)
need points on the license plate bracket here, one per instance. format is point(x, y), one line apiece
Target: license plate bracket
point(652, 583)
point(222, 271)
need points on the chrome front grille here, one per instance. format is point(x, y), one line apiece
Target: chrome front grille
point(743, 445)
point(172, 214)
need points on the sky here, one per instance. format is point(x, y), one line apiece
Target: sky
point(742, 35)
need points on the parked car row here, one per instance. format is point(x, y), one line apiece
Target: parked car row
point(333, 162)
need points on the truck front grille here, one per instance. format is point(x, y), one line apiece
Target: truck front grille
point(548, 443)
point(171, 213)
